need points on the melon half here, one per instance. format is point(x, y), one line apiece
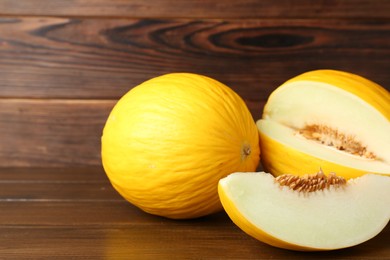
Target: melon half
point(326, 119)
point(334, 217)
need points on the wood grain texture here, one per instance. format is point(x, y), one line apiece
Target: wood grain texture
point(85, 174)
point(103, 59)
point(106, 228)
point(56, 191)
point(51, 132)
point(200, 8)
point(19, 185)
point(213, 240)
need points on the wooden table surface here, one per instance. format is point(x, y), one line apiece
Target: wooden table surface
point(65, 213)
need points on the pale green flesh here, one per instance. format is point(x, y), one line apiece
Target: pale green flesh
point(328, 219)
point(289, 137)
point(307, 103)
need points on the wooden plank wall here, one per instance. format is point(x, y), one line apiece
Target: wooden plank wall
point(64, 64)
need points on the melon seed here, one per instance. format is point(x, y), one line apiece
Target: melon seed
point(310, 183)
point(334, 138)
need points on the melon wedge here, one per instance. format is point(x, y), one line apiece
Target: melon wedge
point(326, 119)
point(327, 219)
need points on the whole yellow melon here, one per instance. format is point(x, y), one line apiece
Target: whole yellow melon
point(168, 142)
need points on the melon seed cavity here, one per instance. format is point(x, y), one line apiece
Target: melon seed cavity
point(311, 183)
point(332, 137)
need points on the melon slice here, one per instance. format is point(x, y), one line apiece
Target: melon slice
point(326, 119)
point(336, 214)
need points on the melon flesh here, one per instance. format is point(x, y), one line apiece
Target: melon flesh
point(304, 103)
point(326, 219)
point(288, 136)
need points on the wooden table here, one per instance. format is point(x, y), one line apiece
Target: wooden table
point(65, 213)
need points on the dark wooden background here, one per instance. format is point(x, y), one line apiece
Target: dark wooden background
point(64, 64)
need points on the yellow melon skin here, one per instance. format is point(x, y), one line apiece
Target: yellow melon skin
point(281, 158)
point(168, 141)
